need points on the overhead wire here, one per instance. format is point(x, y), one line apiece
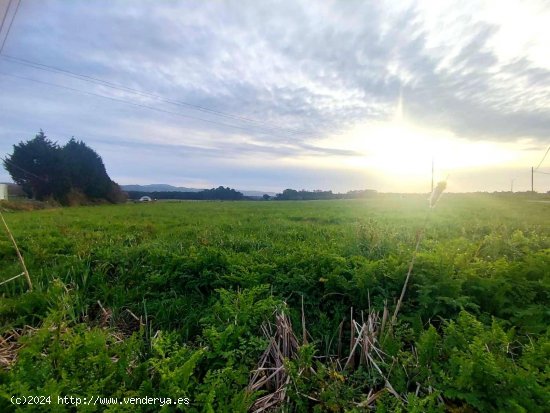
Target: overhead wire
point(543, 158)
point(102, 82)
point(5, 15)
point(91, 79)
point(23, 169)
point(139, 105)
point(11, 23)
point(247, 129)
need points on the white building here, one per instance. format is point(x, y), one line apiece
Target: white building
point(3, 191)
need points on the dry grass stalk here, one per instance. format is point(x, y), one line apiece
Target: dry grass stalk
point(365, 340)
point(304, 332)
point(106, 315)
point(371, 398)
point(384, 318)
point(8, 348)
point(9, 345)
point(25, 271)
point(271, 374)
point(436, 194)
point(407, 278)
point(340, 333)
point(12, 278)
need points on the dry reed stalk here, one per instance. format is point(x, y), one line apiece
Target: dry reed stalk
point(384, 318)
point(371, 398)
point(436, 194)
point(12, 278)
point(340, 332)
point(9, 348)
point(271, 374)
point(25, 271)
point(304, 333)
point(419, 236)
point(365, 338)
point(352, 339)
point(106, 316)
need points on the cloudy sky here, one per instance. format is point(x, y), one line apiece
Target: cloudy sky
point(268, 95)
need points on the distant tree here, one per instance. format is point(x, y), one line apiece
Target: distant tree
point(219, 193)
point(303, 195)
point(266, 197)
point(288, 194)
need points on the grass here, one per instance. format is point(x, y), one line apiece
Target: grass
point(202, 277)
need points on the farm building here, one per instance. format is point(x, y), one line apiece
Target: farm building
point(9, 190)
point(3, 191)
point(145, 199)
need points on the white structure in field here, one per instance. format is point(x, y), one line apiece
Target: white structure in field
point(3, 191)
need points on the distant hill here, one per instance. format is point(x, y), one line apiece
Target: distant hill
point(159, 188)
point(171, 188)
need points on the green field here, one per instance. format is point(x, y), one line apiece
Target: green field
point(168, 300)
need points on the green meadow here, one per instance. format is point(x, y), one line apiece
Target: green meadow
point(181, 299)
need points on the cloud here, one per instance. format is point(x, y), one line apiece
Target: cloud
point(303, 70)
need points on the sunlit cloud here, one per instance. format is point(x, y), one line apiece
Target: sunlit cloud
point(320, 80)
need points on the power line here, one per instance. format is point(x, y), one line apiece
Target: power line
point(95, 80)
point(542, 160)
point(11, 22)
point(5, 15)
point(23, 170)
point(102, 82)
point(128, 102)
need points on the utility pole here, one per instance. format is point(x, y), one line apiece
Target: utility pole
point(532, 190)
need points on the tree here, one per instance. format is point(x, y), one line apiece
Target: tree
point(71, 174)
point(37, 167)
point(85, 170)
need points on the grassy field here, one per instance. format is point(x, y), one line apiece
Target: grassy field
point(169, 299)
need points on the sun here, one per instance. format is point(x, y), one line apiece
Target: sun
point(399, 153)
point(401, 149)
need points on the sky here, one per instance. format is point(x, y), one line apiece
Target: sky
point(269, 95)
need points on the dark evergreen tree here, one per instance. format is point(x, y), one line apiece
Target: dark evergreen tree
point(71, 174)
point(85, 170)
point(36, 166)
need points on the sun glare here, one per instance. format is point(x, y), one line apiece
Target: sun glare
point(401, 149)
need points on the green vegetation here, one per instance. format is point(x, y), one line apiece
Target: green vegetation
point(168, 300)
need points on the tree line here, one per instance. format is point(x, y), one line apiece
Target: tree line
point(303, 195)
point(219, 193)
point(229, 194)
point(70, 174)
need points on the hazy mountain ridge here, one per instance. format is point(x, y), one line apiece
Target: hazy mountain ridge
point(168, 188)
